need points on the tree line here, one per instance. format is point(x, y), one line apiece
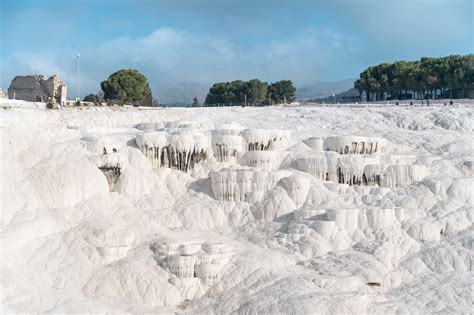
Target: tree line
point(444, 77)
point(253, 92)
point(130, 86)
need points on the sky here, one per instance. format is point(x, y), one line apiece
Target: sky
point(207, 41)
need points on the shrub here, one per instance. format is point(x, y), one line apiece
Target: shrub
point(51, 103)
point(93, 98)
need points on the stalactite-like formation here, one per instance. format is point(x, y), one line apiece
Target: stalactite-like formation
point(226, 147)
point(401, 175)
point(182, 146)
point(179, 151)
point(354, 145)
point(360, 170)
point(265, 140)
point(373, 174)
point(112, 173)
point(243, 184)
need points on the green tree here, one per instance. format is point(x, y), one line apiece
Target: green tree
point(93, 98)
point(236, 92)
point(281, 91)
point(398, 71)
point(468, 62)
point(196, 102)
point(426, 77)
point(126, 85)
point(220, 93)
point(256, 91)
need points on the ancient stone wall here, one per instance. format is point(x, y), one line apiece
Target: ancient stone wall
point(38, 88)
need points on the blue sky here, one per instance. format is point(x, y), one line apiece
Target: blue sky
point(207, 41)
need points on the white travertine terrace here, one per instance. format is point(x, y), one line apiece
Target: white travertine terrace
point(340, 228)
point(226, 146)
point(395, 236)
point(315, 143)
point(178, 151)
point(322, 166)
point(297, 188)
point(354, 145)
point(183, 145)
point(265, 139)
point(305, 213)
point(243, 184)
point(402, 175)
point(267, 160)
point(113, 244)
point(110, 165)
point(373, 174)
point(197, 259)
point(357, 169)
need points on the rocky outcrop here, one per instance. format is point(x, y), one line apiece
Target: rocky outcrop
point(38, 88)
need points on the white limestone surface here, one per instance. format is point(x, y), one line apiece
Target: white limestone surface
point(237, 210)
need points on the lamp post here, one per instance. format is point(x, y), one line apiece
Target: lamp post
point(78, 56)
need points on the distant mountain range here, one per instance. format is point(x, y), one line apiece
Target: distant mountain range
point(344, 97)
point(182, 94)
point(322, 89)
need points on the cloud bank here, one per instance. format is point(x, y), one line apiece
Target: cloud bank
point(208, 40)
point(169, 56)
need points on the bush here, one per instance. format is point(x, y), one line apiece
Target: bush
point(93, 98)
point(77, 103)
point(51, 103)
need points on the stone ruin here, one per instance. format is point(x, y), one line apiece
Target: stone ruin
point(38, 88)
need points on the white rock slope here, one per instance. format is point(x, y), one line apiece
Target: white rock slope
point(215, 211)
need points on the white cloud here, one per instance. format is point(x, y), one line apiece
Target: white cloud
point(168, 56)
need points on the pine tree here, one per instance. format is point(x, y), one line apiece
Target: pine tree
point(196, 102)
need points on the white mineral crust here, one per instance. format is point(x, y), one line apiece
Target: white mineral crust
point(265, 210)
